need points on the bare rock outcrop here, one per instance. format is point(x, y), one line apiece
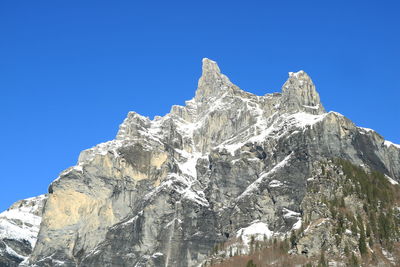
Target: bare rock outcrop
point(167, 190)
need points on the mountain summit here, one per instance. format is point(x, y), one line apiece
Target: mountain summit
point(228, 176)
point(212, 82)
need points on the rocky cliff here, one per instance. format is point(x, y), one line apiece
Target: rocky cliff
point(229, 167)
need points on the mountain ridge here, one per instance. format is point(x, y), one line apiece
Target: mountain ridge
point(166, 190)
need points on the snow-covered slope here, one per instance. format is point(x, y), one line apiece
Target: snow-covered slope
point(19, 227)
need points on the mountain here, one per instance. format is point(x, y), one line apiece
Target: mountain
point(19, 227)
point(231, 178)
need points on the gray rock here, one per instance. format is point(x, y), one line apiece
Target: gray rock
point(167, 190)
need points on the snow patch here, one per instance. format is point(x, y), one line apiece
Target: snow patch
point(188, 167)
point(157, 254)
point(368, 130)
point(133, 218)
point(304, 119)
point(290, 214)
point(391, 180)
point(275, 183)
point(312, 107)
point(173, 222)
point(296, 74)
point(12, 252)
point(270, 127)
point(297, 225)
point(20, 222)
point(257, 229)
point(253, 186)
point(183, 184)
point(389, 144)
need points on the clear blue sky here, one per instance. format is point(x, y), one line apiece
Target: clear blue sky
point(71, 70)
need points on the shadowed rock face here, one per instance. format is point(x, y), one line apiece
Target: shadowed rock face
point(165, 191)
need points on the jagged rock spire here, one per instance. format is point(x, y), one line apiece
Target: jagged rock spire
point(212, 82)
point(299, 93)
point(210, 67)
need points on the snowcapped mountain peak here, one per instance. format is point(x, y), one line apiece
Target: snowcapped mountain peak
point(219, 102)
point(227, 167)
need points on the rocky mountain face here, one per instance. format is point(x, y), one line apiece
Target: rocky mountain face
point(19, 227)
point(225, 171)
